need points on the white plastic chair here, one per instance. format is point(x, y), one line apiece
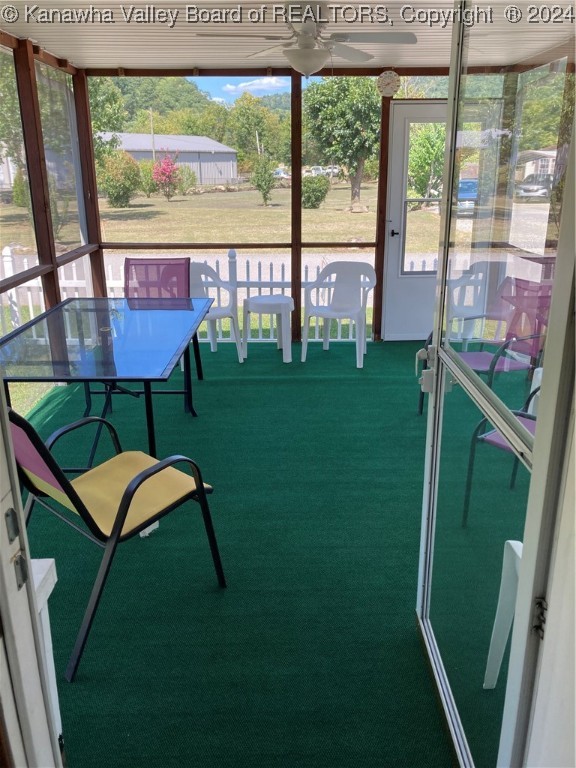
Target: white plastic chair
point(504, 611)
point(205, 281)
point(340, 292)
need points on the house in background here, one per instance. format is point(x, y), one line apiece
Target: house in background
point(535, 161)
point(212, 162)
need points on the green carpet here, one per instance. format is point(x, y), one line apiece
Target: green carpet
point(311, 656)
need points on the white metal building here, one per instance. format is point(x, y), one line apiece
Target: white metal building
point(212, 162)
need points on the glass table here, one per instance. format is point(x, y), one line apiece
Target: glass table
point(109, 341)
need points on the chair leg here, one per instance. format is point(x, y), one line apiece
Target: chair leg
point(360, 343)
point(212, 333)
point(470, 472)
point(326, 333)
point(245, 330)
point(514, 472)
point(91, 608)
point(207, 517)
point(421, 395)
point(504, 612)
point(237, 338)
point(305, 332)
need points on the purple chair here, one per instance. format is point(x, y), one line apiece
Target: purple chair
point(109, 503)
point(526, 324)
point(522, 353)
point(161, 278)
point(495, 439)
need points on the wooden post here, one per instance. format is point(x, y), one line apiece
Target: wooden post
point(296, 199)
point(37, 170)
point(89, 188)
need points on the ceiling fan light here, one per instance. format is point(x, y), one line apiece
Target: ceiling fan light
point(307, 60)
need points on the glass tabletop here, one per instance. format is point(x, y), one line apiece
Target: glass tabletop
point(103, 340)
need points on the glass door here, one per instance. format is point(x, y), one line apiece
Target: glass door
point(495, 346)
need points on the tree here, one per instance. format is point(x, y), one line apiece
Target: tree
point(120, 178)
point(252, 129)
point(107, 113)
point(162, 94)
point(344, 119)
point(426, 159)
point(166, 175)
point(147, 183)
point(263, 178)
point(314, 191)
point(12, 145)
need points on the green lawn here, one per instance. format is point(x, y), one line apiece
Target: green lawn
point(235, 217)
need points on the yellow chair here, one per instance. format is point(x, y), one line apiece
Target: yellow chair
point(109, 503)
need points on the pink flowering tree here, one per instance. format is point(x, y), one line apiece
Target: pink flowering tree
point(165, 174)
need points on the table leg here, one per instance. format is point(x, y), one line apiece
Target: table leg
point(197, 358)
point(188, 402)
point(150, 418)
point(87, 399)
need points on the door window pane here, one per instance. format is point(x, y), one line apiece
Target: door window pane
point(426, 144)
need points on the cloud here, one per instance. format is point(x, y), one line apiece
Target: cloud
point(260, 84)
point(218, 100)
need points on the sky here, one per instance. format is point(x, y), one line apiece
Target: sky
point(228, 89)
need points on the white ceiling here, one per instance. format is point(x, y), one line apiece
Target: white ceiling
point(151, 44)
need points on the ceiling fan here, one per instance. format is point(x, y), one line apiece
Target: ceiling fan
point(307, 46)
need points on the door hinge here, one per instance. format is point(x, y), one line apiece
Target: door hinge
point(12, 524)
point(539, 620)
point(21, 570)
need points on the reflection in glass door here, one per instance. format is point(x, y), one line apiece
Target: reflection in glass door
point(509, 140)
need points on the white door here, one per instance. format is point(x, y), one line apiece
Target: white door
point(415, 168)
point(29, 736)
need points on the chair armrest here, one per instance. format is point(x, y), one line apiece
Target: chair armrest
point(145, 475)
point(81, 423)
point(55, 436)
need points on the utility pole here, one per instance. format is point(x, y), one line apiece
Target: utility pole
point(152, 134)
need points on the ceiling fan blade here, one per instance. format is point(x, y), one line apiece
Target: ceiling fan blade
point(239, 35)
point(399, 38)
point(266, 51)
point(348, 53)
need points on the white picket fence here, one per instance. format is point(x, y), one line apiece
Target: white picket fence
point(256, 278)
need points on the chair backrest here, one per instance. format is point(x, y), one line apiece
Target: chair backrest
point(531, 303)
point(467, 294)
point(39, 471)
point(349, 283)
point(157, 278)
point(206, 282)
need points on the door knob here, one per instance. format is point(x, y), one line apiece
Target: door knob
point(393, 232)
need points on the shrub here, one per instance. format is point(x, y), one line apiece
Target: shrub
point(120, 178)
point(314, 191)
point(20, 190)
point(186, 179)
point(147, 183)
point(263, 178)
point(166, 175)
